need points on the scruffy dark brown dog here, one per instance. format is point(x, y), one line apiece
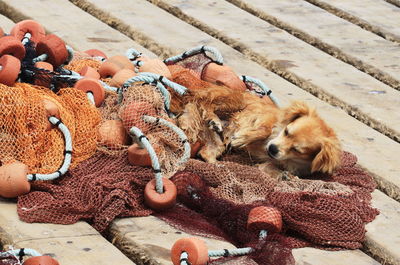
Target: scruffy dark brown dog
point(295, 138)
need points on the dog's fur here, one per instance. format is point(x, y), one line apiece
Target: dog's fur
point(219, 117)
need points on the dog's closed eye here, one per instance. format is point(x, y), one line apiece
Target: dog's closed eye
point(296, 150)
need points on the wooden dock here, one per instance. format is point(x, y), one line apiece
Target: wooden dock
point(342, 56)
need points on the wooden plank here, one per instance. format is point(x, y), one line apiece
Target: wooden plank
point(339, 83)
point(128, 233)
point(149, 240)
point(383, 238)
point(6, 24)
point(70, 23)
point(379, 147)
point(379, 16)
point(308, 256)
point(77, 244)
point(173, 33)
point(344, 40)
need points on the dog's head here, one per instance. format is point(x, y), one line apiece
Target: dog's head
point(303, 143)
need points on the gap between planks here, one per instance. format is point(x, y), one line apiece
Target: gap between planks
point(322, 45)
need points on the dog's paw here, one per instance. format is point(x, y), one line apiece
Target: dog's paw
point(215, 125)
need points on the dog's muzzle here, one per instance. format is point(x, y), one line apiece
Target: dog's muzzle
point(272, 150)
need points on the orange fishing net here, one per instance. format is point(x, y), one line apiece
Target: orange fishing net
point(23, 123)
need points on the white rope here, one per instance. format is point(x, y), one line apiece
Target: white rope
point(68, 154)
point(132, 54)
point(40, 58)
point(230, 252)
point(70, 54)
point(181, 90)
point(200, 49)
point(26, 38)
point(22, 252)
point(183, 259)
point(144, 142)
point(182, 136)
point(91, 97)
point(265, 90)
point(150, 80)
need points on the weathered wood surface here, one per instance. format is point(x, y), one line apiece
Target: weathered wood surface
point(164, 34)
point(379, 16)
point(71, 24)
point(131, 15)
point(77, 244)
point(150, 240)
point(360, 94)
point(176, 37)
point(146, 231)
point(338, 37)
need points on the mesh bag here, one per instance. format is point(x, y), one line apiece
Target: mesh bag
point(23, 123)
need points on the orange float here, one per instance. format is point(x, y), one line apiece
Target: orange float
point(41, 260)
point(121, 76)
point(113, 134)
point(109, 69)
point(1, 32)
point(123, 61)
point(54, 47)
point(12, 46)
point(265, 218)
point(138, 156)
point(195, 248)
point(156, 66)
point(93, 86)
point(132, 113)
point(10, 68)
point(95, 53)
point(51, 110)
point(160, 201)
point(88, 71)
point(222, 75)
point(13, 180)
point(28, 26)
point(46, 66)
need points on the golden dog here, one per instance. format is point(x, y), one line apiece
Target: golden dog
point(219, 117)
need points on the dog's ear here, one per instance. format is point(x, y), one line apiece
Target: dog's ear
point(328, 158)
point(296, 110)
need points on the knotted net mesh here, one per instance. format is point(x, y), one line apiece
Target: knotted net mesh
point(214, 199)
point(23, 123)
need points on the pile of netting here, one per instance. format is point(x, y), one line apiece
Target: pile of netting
point(24, 135)
point(112, 161)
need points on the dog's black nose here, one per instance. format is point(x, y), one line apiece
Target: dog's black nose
point(273, 150)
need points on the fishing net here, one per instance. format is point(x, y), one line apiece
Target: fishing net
point(23, 123)
point(9, 260)
point(97, 190)
point(322, 211)
point(330, 213)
